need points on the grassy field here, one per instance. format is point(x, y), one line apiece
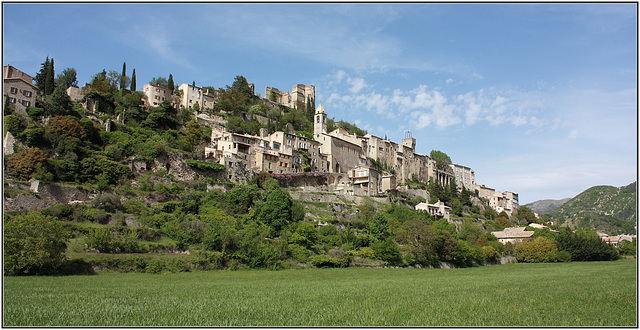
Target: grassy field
point(562, 294)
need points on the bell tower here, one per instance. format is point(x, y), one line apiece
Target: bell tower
point(319, 122)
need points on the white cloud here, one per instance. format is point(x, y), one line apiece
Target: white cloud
point(424, 106)
point(357, 84)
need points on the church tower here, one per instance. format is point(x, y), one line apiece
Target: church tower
point(319, 122)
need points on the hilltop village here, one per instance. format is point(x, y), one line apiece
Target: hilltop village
point(181, 177)
point(359, 165)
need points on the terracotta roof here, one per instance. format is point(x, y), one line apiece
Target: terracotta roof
point(513, 232)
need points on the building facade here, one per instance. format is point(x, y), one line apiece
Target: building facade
point(299, 95)
point(193, 94)
point(155, 95)
point(19, 88)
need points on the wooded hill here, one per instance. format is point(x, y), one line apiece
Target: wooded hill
point(603, 208)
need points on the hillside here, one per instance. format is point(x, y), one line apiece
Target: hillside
point(546, 206)
point(604, 208)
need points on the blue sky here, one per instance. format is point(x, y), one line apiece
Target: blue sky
point(540, 99)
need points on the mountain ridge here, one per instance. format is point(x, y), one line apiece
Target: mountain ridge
point(546, 206)
point(604, 208)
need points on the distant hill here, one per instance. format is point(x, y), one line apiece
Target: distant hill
point(604, 208)
point(546, 206)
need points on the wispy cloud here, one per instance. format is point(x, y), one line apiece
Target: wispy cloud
point(424, 106)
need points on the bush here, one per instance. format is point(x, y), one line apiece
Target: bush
point(323, 261)
point(107, 202)
point(387, 251)
point(585, 245)
point(26, 164)
point(12, 124)
point(490, 253)
point(537, 250)
point(205, 166)
point(34, 244)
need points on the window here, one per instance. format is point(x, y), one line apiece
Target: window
point(26, 103)
point(27, 93)
point(12, 100)
point(14, 90)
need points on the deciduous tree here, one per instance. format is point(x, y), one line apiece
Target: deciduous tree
point(67, 78)
point(34, 244)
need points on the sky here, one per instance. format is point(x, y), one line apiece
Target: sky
point(538, 98)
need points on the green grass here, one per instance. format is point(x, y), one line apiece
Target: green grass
point(562, 294)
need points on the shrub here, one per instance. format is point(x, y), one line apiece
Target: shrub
point(205, 166)
point(585, 245)
point(34, 244)
point(33, 135)
point(35, 113)
point(537, 250)
point(490, 253)
point(387, 251)
point(323, 261)
point(26, 164)
point(12, 124)
point(107, 202)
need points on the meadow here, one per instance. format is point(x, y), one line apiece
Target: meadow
point(555, 294)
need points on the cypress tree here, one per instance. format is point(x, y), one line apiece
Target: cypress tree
point(133, 80)
point(41, 76)
point(170, 83)
point(49, 82)
point(123, 76)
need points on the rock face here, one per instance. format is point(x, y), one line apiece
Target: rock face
point(46, 195)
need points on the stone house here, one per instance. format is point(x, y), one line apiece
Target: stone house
point(19, 87)
point(298, 95)
point(193, 94)
point(512, 235)
point(155, 95)
point(438, 210)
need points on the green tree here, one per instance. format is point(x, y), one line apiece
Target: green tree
point(133, 80)
point(49, 83)
point(585, 245)
point(537, 250)
point(159, 81)
point(9, 108)
point(41, 76)
point(241, 85)
point(193, 134)
point(67, 78)
point(34, 135)
point(123, 77)
point(388, 251)
point(442, 160)
point(276, 211)
point(60, 103)
point(13, 124)
point(34, 244)
point(379, 227)
point(170, 84)
point(525, 216)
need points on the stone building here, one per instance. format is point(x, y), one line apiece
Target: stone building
point(438, 210)
point(75, 93)
point(19, 87)
point(299, 95)
point(155, 95)
point(465, 177)
point(193, 94)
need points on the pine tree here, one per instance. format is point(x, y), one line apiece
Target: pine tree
point(133, 80)
point(170, 84)
point(123, 80)
point(49, 82)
